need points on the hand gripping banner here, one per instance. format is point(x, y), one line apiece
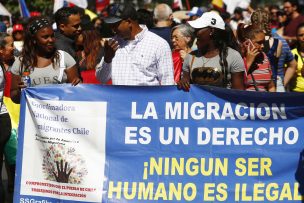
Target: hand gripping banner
point(93, 143)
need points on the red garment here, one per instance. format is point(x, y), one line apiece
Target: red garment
point(89, 77)
point(177, 64)
point(291, 28)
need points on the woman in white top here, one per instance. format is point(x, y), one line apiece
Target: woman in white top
point(46, 64)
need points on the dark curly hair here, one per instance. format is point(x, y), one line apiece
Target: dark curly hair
point(28, 55)
point(62, 15)
point(247, 32)
point(261, 18)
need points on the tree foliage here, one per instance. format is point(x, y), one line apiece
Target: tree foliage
point(43, 6)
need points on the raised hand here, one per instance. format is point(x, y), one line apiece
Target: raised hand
point(62, 175)
point(110, 48)
point(21, 85)
point(184, 82)
point(251, 54)
point(76, 81)
point(182, 54)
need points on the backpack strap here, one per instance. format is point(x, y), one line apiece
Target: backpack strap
point(192, 61)
point(273, 59)
point(254, 82)
point(61, 66)
point(299, 55)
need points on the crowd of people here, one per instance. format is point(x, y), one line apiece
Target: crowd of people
point(249, 49)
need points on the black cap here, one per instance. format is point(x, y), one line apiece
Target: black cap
point(118, 12)
point(281, 13)
point(238, 10)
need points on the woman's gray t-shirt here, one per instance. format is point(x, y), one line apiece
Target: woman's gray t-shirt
point(46, 75)
point(211, 67)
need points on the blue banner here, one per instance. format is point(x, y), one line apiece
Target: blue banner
point(93, 143)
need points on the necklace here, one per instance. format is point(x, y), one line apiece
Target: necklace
point(211, 54)
point(205, 60)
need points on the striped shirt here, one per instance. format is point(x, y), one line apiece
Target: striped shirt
point(262, 76)
point(147, 60)
point(285, 57)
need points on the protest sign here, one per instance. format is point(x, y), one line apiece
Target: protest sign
point(95, 143)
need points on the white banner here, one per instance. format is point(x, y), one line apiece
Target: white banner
point(66, 140)
point(4, 11)
point(80, 3)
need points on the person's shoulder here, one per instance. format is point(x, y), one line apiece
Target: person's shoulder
point(195, 53)
point(64, 55)
point(58, 36)
point(155, 38)
point(279, 37)
point(63, 52)
point(296, 20)
point(160, 29)
point(17, 60)
point(233, 52)
point(151, 34)
point(16, 65)
point(276, 36)
point(285, 45)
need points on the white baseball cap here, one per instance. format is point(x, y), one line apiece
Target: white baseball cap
point(208, 19)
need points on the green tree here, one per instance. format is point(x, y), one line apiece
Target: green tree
point(43, 6)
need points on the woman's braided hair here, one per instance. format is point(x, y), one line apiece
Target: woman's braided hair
point(261, 18)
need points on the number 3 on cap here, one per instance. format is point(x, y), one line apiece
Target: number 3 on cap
point(213, 21)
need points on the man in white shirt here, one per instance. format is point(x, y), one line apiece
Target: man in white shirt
point(135, 56)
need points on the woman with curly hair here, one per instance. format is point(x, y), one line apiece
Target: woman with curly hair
point(40, 57)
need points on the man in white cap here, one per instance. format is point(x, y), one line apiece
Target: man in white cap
point(215, 62)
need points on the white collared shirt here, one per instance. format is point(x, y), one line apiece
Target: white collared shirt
point(146, 60)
